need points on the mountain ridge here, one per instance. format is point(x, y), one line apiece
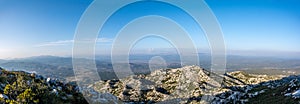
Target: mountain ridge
point(188, 84)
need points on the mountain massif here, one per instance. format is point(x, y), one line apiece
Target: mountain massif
point(192, 84)
point(186, 85)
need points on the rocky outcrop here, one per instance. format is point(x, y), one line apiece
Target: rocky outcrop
point(184, 84)
point(266, 89)
point(23, 87)
point(189, 84)
point(243, 78)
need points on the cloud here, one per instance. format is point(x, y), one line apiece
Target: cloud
point(70, 42)
point(56, 43)
point(104, 40)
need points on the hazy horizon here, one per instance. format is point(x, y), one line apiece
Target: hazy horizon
point(288, 55)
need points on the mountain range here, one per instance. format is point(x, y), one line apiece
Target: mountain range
point(193, 85)
point(61, 67)
point(174, 84)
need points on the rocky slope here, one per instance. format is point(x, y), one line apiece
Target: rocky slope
point(189, 84)
point(29, 88)
point(186, 83)
point(281, 91)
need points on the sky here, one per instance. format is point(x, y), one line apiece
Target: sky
point(47, 27)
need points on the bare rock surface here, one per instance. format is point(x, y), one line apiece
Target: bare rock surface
point(188, 84)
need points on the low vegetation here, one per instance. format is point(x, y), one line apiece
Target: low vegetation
point(28, 88)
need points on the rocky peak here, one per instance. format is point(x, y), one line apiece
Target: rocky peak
point(188, 84)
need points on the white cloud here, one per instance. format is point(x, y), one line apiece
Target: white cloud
point(56, 43)
point(70, 42)
point(104, 40)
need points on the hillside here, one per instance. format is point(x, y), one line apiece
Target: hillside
point(190, 84)
point(29, 88)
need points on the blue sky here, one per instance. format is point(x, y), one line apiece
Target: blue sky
point(46, 27)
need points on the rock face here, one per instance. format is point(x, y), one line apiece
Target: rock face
point(242, 78)
point(185, 84)
point(263, 89)
point(182, 85)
